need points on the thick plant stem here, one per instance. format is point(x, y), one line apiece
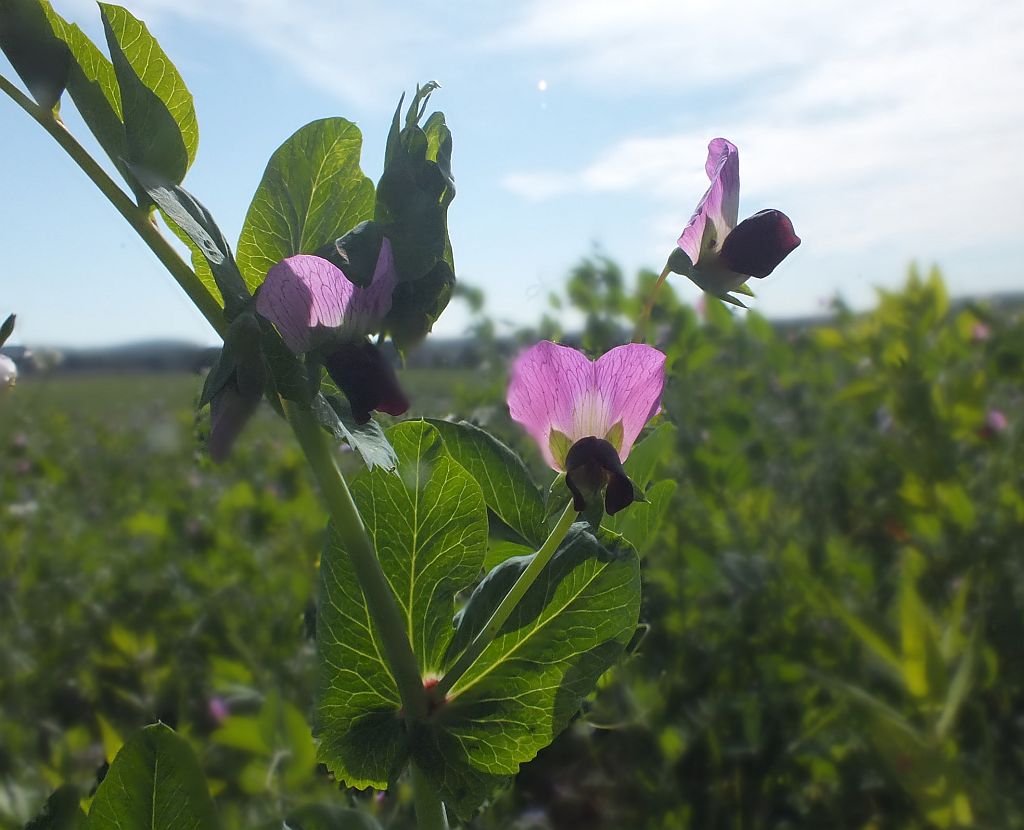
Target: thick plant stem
point(137, 217)
point(508, 604)
point(380, 599)
point(641, 324)
point(430, 814)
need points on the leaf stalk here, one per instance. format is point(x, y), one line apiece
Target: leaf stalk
point(508, 604)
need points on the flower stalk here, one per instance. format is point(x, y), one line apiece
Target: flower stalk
point(508, 604)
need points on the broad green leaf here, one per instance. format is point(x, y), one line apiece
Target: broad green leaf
point(185, 213)
point(570, 627)
point(499, 551)
point(311, 193)
point(35, 48)
point(334, 413)
point(161, 130)
point(416, 305)
point(155, 783)
point(648, 454)
point(506, 483)
point(62, 811)
point(429, 528)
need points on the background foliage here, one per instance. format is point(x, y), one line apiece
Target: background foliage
point(832, 605)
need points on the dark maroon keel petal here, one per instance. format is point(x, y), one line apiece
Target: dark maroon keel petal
point(759, 243)
point(367, 379)
point(591, 465)
point(230, 411)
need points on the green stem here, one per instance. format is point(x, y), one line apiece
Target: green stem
point(137, 217)
point(641, 324)
point(508, 604)
point(430, 814)
point(380, 599)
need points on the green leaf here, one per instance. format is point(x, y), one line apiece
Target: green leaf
point(499, 551)
point(334, 413)
point(429, 528)
point(415, 306)
point(640, 521)
point(62, 811)
point(185, 212)
point(155, 783)
point(615, 434)
point(507, 486)
point(413, 196)
point(559, 444)
point(92, 84)
point(570, 627)
point(311, 193)
point(7, 329)
point(161, 130)
point(35, 48)
point(649, 454)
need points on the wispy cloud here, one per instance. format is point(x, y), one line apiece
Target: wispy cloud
point(355, 52)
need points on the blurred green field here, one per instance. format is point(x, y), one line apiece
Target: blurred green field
point(834, 601)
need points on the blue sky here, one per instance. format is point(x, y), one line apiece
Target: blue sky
point(887, 132)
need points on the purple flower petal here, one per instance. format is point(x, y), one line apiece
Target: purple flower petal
point(371, 304)
point(548, 381)
point(557, 388)
point(230, 411)
point(631, 378)
point(759, 243)
point(304, 293)
point(720, 204)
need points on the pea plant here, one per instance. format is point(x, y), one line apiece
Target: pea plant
point(428, 667)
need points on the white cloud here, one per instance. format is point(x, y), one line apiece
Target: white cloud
point(356, 52)
point(868, 123)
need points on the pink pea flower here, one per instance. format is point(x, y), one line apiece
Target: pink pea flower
point(721, 254)
point(586, 415)
point(316, 308)
point(980, 333)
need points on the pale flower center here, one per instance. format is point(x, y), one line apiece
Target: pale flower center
point(592, 416)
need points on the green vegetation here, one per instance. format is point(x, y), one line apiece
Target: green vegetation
point(832, 605)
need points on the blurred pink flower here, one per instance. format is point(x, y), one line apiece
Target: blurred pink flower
point(218, 709)
point(996, 421)
point(980, 333)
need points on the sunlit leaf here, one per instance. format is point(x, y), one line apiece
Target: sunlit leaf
point(571, 626)
point(161, 130)
point(507, 485)
point(429, 528)
point(155, 783)
point(312, 192)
